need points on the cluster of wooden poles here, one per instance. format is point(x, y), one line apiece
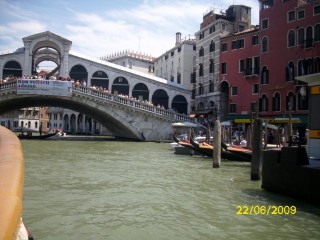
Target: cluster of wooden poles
point(257, 148)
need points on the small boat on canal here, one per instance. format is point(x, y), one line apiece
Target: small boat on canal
point(229, 153)
point(36, 137)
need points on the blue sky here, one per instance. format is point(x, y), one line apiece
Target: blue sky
point(102, 27)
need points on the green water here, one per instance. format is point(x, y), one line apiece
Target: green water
point(130, 190)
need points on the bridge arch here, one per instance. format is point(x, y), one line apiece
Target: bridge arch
point(12, 68)
point(140, 91)
point(160, 98)
point(46, 43)
point(120, 86)
point(79, 72)
point(100, 79)
point(180, 104)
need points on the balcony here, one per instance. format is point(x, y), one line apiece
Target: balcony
point(251, 72)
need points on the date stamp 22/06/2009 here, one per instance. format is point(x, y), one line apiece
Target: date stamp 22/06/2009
point(265, 210)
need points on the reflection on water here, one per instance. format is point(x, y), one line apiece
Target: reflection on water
point(130, 190)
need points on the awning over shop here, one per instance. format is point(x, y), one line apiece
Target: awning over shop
point(302, 119)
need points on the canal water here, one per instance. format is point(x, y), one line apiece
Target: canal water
point(131, 190)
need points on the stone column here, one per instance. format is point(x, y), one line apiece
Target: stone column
point(27, 59)
point(64, 68)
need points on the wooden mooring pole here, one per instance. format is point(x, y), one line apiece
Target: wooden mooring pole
point(256, 150)
point(216, 144)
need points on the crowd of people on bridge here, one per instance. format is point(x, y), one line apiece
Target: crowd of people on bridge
point(84, 84)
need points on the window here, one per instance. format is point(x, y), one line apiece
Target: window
point(201, 52)
point(255, 88)
point(290, 72)
point(264, 45)
point(241, 28)
point(224, 68)
point(267, 4)
point(233, 108)
point(212, 29)
point(253, 107)
point(200, 70)
point(234, 91)
point(250, 66)
point(301, 36)
point(200, 88)
point(241, 65)
point(211, 66)
point(291, 16)
point(236, 44)
point(317, 65)
point(263, 103)
point(255, 40)
point(291, 102)
point(301, 67)
point(201, 35)
point(264, 75)
point(309, 34)
point(212, 46)
point(256, 67)
point(211, 87)
point(316, 10)
point(179, 78)
point(301, 14)
point(172, 53)
point(317, 33)
point(302, 101)
point(179, 49)
point(224, 47)
point(276, 102)
point(291, 38)
point(265, 23)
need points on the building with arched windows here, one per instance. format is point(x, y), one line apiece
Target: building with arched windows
point(209, 98)
point(290, 47)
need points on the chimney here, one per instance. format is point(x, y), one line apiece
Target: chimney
point(178, 38)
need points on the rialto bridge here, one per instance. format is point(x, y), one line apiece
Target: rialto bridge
point(121, 106)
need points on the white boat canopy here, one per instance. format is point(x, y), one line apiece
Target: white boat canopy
point(185, 124)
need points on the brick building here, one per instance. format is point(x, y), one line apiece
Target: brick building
point(290, 47)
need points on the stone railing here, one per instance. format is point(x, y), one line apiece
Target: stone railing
point(11, 85)
point(133, 103)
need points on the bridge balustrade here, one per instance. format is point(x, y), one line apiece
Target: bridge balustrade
point(132, 102)
point(11, 85)
point(8, 85)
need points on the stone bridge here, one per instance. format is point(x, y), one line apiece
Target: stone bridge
point(124, 117)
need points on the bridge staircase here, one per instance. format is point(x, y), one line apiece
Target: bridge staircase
point(54, 71)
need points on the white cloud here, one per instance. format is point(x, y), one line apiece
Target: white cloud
point(148, 27)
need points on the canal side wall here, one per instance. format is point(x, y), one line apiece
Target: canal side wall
point(289, 172)
point(11, 183)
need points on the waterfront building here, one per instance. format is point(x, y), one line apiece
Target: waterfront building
point(177, 63)
point(290, 47)
point(44, 120)
point(240, 64)
point(25, 119)
point(207, 89)
point(137, 61)
point(72, 122)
